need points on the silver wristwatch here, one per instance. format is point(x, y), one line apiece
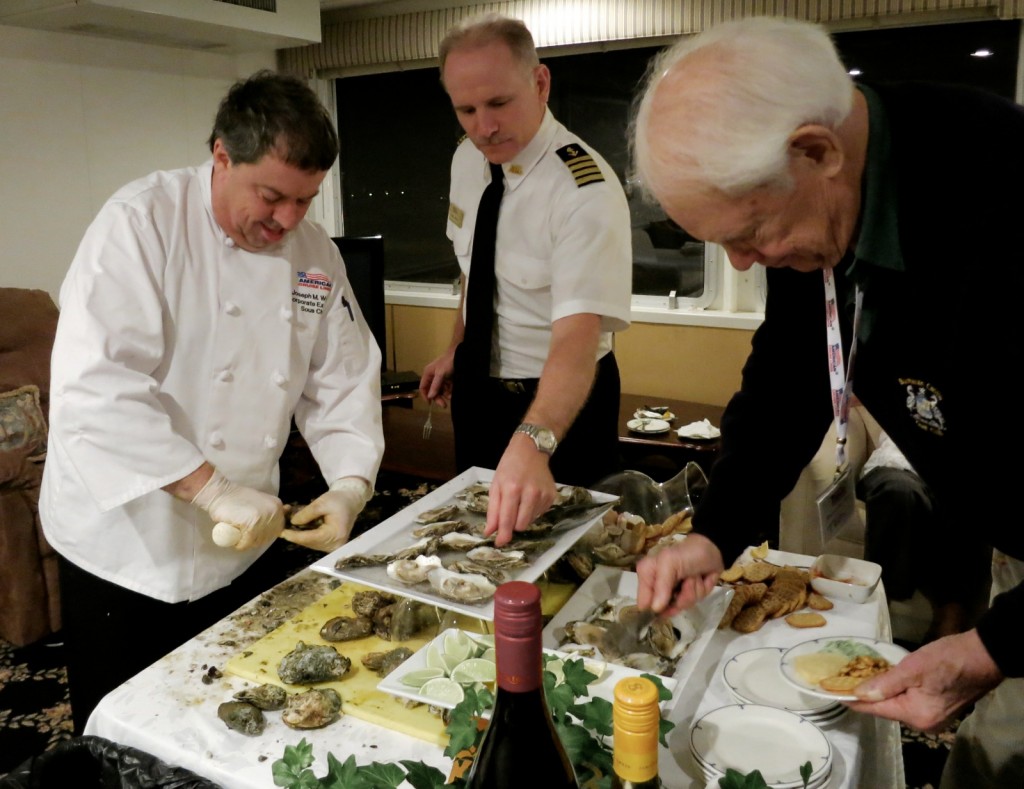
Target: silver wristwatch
point(542, 437)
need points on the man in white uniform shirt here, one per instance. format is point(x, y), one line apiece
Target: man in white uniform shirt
point(563, 266)
point(200, 314)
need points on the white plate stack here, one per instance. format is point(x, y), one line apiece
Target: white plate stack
point(748, 737)
point(755, 677)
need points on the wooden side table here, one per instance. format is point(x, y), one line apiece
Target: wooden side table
point(664, 455)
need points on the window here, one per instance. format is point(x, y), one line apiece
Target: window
point(398, 135)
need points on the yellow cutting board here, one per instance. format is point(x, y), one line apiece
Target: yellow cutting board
point(358, 688)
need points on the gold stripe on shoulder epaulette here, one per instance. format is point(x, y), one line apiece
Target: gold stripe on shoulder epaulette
point(461, 140)
point(581, 164)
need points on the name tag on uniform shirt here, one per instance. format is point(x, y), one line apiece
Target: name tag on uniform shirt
point(837, 506)
point(455, 214)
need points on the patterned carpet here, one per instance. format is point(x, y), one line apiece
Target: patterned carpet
point(35, 713)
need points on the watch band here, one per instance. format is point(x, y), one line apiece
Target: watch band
point(543, 438)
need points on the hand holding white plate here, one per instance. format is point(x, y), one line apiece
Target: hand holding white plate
point(788, 663)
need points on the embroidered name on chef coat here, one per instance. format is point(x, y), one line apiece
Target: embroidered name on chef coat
point(311, 291)
point(581, 164)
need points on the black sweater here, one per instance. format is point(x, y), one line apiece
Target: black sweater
point(944, 330)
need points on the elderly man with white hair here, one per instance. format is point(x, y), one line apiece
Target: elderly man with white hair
point(869, 206)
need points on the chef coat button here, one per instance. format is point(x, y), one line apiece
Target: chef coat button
point(226, 376)
point(279, 379)
point(231, 308)
point(286, 314)
point(270, 442)
point(216, 440)
point(229, 241)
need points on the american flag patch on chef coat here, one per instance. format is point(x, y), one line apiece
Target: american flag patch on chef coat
point(314, 279)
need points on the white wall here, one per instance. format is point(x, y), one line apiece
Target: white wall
point(80, 117)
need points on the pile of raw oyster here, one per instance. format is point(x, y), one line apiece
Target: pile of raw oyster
point(450, 554)
point(375, 613)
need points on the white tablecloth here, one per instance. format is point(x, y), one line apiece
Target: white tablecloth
point(170, 709)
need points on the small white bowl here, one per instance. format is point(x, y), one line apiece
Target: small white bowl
point(844, 578)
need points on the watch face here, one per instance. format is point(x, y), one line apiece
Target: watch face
point(546, 439)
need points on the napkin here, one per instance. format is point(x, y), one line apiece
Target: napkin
point(701, 429)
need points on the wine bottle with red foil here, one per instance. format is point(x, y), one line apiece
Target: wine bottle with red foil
point(520, 747)
point(636, 717)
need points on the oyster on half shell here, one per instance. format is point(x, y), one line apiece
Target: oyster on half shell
point(413, 571)
point(497, 557)
point(461, 587)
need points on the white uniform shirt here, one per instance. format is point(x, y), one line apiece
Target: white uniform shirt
point(563, 248)
point(173, 347)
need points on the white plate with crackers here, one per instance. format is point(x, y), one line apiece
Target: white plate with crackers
point(814, 666)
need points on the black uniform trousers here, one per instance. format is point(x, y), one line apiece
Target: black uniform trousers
point(486, 411)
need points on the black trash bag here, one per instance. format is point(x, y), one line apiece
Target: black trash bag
point(95, 763)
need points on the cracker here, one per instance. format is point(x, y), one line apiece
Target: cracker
point(742, 596)
point(758, 572)
point(749, 619)
point(819, 602)
point(840, 684)
point(806, 619)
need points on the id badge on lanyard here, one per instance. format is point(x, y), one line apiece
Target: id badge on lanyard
point(837, 503)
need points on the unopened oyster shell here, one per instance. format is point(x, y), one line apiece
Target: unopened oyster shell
point(312, 663)
point(266, 696)
point(346, 628)
point(461, 587)
point(313, 709)
point(386, 662)
point(242, 717)
point(369, 601)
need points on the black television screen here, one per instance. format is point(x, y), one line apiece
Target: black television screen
point(364, 264)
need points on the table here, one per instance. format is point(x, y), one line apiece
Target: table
point(170, 708)
point(662, 456)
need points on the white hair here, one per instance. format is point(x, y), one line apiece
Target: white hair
point(726, 126)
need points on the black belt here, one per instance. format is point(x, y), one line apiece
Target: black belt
point(517, 386)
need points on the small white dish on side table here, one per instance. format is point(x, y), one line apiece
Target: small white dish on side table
point(648, 426)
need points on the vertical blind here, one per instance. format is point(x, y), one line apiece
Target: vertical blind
point(410, 39)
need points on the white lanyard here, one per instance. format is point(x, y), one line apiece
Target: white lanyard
point(841, 379)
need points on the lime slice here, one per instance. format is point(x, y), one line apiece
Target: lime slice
point(490, 654)
point(435, 656)
point(485, 640)
point(555, 667)
point(443, 689)
point(450, 663)
point(418, 677)
point(458, 645)
point(474, 670)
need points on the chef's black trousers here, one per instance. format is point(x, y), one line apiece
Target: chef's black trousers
point(111, 633)
point(486, 411)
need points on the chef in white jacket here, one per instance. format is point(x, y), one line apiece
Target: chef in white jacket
point(200, 313)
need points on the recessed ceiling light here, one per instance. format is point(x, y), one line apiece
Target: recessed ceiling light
point(982, 53)
point(855, 72)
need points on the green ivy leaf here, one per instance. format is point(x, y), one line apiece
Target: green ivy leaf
point(381, 775)
point(422, 776)
point(290, 770)
point(596, 715)
point(577, 677)
point(664, 694)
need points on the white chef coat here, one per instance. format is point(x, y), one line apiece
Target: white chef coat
point(173, 347)
point(562, 248)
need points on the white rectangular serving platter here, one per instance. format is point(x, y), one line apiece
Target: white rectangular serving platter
point(603, 687)
point(395, 533)
point(606, 582)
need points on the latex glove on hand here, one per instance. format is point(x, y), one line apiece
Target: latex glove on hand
point(338, 507)
point(245, 518)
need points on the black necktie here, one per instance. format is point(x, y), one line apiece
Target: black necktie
point(480, 289)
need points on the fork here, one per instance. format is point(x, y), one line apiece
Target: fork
point(428, 426)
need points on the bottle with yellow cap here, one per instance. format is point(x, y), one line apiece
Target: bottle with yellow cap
point(636, 717)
